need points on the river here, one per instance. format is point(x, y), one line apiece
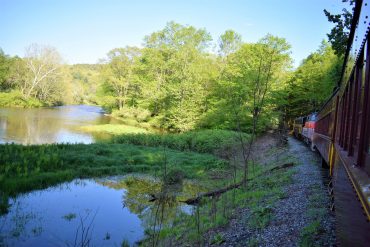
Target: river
point(52, 124)
point(92, 212)
point(97, 212)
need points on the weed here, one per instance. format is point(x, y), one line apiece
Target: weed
point(69, 216)
point(107, 236)
point(218, 239)
point(125, 243)
point(260, 217)
point(309, 232)
point(252, 242)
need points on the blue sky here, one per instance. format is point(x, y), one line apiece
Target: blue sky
point(85, 30)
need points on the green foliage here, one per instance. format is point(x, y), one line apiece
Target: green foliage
point(82, 84)
point(202, 141)
point(229, 42)
point(244, 90)
point(312, 83)
point(172, 83)
point(338, 35)
point(5, 65)
point(119, 76)
point(15, 98)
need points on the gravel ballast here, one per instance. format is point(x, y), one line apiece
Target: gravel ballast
point(306, 204)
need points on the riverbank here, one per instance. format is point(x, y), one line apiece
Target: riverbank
point(25, 168)
point(259, 214)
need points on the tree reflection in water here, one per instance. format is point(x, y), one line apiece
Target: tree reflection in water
point(157, 204)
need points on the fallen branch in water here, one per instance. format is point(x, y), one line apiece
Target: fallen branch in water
point(196, 200)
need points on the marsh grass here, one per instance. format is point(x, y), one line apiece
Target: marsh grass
point(26, 168)
point(113, 129)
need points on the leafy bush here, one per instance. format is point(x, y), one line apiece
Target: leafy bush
point(15, 98)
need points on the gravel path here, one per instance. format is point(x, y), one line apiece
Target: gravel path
point(291, 213)
point(306, 201)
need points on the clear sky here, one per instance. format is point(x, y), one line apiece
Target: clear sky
point(85, 30)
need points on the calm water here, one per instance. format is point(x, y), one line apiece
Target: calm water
point(51, 125)
point(109, 211)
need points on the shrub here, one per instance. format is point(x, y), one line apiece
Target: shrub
point(15, 98)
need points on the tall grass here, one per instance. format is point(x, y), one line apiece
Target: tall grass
point(202, 141)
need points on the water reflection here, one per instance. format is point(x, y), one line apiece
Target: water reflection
point(51, 125)
point(104, 212)
point(157, 204)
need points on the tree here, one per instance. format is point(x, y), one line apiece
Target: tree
point(338, 35)
point(42, 64)
point(5, 65)
point(313, 82)
point(119, 75)
point(177, 73)
point(266, 62)
point(229, 42)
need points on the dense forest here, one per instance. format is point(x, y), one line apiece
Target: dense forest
point(179, 80)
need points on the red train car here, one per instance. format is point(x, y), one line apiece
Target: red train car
point(342, 136)
point(309, 129)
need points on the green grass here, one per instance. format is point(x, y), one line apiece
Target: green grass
point(310, 233)
point(114, 129)
point(24, 168)
point(202, 141)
